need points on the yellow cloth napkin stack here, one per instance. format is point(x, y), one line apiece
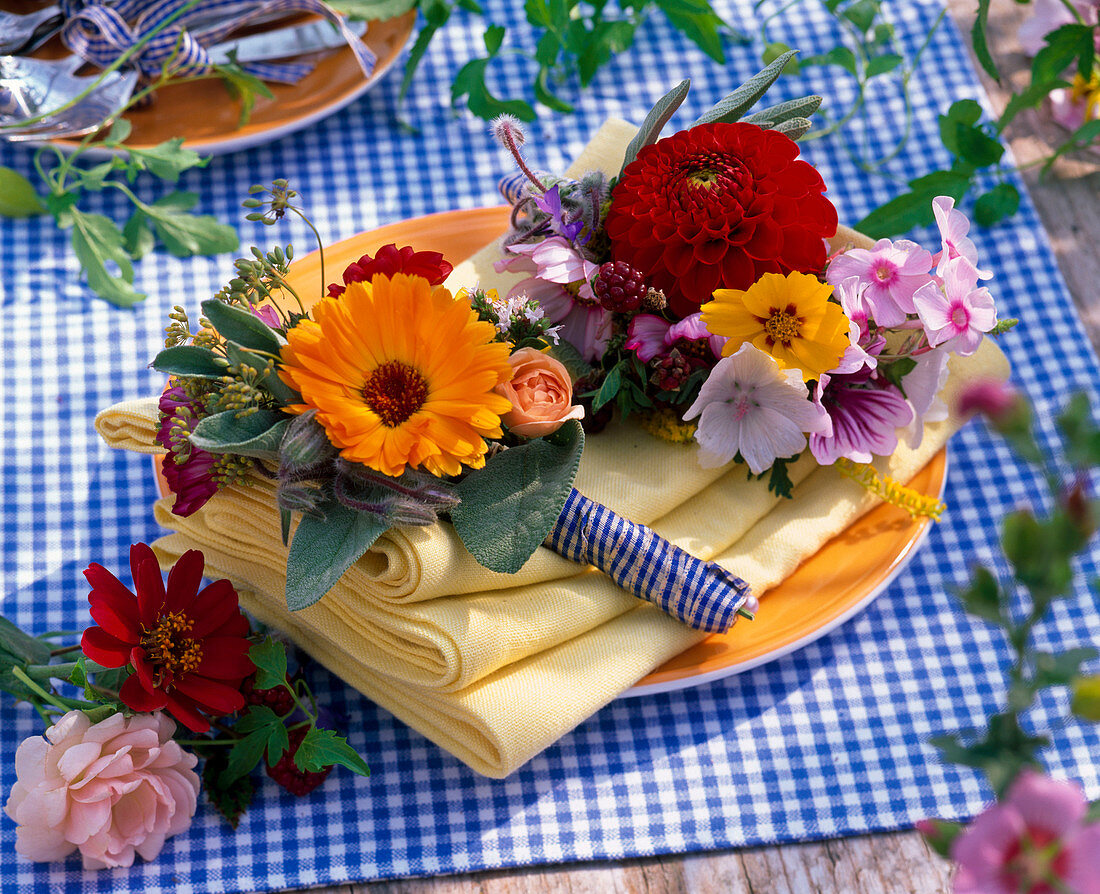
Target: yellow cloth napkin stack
point(495, 668)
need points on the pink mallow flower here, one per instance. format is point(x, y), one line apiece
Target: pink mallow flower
point(109, 789)
point(561, 284)
point(956, 314)
point(749, 405)
point(1033, 841)
point(865, 414)
point(954, 226)
point(651, 336)
point(888, 275)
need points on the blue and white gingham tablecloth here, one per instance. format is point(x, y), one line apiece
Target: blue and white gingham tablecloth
point(828, 741)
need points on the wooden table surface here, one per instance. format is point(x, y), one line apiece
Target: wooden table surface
point(892, 863)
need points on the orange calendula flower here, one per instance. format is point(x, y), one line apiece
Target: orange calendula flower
point(788, 316)
point(401, 375)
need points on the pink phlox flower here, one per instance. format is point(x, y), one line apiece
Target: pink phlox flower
point(652, 337)
point(748, 405)
point(560, 284)
point(861, 351)
point(954, 226)
point(849, 292)
point(889, 274)
point(1032, 841)
point(923, 385)
point(266, 314)
point(1049, 15)
point(865, 413)
point(956, 314)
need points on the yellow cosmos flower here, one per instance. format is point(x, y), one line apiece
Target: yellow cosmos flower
point(401, 375)
point(789, 317)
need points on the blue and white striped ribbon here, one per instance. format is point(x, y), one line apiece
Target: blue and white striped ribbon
point(100, 31)
point(701, 594)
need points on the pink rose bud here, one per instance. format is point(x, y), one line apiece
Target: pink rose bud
point(109, 789)
point(998, 401)
point(541, 393)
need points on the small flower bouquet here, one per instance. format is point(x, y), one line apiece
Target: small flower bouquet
point(393, 473)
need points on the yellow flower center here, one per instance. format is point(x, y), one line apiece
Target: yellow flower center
point(1089, 91)
point(168, 646)
point(395, 391)
point(706, 178)
point(783, 326)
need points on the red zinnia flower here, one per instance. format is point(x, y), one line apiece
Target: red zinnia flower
point(187, 648)
point(390, 260)
point(718, 206)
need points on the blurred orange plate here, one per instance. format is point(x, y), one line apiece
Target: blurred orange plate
point(834, 584)
point(205, 115)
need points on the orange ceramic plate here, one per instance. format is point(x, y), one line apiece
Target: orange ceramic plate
point(206, 116)
point(827, 589)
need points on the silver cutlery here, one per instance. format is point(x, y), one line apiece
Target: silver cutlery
point(26, 33)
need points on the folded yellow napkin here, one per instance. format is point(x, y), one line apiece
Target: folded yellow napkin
point(495, 668)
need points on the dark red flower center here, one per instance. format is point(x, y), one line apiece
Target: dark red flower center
point(783, 325)
point(170, 649)
point(395, 391)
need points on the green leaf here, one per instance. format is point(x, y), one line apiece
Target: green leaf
point(699, 23)
point(881, 64)
point(940, 835)
point(795, 128)
point(436, 14)
point(22, 645)
point(839, 55)
point(976, 146)
point(962, 111)
point(165, 160)
point(732, 107)
point(242, 86)
point(779, 480)
point(1063, 46)
point(470, 82)
point(1086, 698)
point(243, 327)
point(264, 731)
point(119, 132)
point(231, 800)
point(510, 506)
point(569, 357)
point(914, 208)
point(978, 39)
point(270, 660)
point(190, 360)
point(137, 237)
point(983, 596)
point(257, 434)
point(895, 372)
point(803, 107)
point(79, 675)
point(861, 14)
point(494, 37)
point(324, 548)
point(368, 10)
point(776, 49)
point(186, 235)
point(17, 196)
point(1001, 755)
point(1027, 98)
point(97, 243)
point(655, 121)
point(1061, 669)
point(546, 96)
point(322, 748)
point(608, 388)
point(999, 203)
point(1080, 432)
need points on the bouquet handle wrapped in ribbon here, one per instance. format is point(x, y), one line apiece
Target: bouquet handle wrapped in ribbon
point(703, 595)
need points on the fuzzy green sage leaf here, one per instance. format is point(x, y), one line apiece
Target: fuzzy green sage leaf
point(747, 95)
point(510, 506)
point(656, 120)
point(190, 360)
point(240, 326)
point(22, 645)
point(257, 434)
point(324, 548)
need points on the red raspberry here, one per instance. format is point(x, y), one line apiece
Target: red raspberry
point(619, 287)
point(286, 772)
point(278, 699)
point(672, 371)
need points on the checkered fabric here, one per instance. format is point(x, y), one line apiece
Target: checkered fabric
point(830, 740)
point(703, 595)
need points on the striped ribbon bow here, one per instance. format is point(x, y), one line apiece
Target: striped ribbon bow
point(100, 31)
point(701, 594)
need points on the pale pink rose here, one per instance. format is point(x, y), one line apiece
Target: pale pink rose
point(541, 393)
point(1034, 840)
point(107, 789)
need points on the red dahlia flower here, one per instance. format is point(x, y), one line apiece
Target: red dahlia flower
point(718, 206)
point(390, 260)
point(187, 648)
